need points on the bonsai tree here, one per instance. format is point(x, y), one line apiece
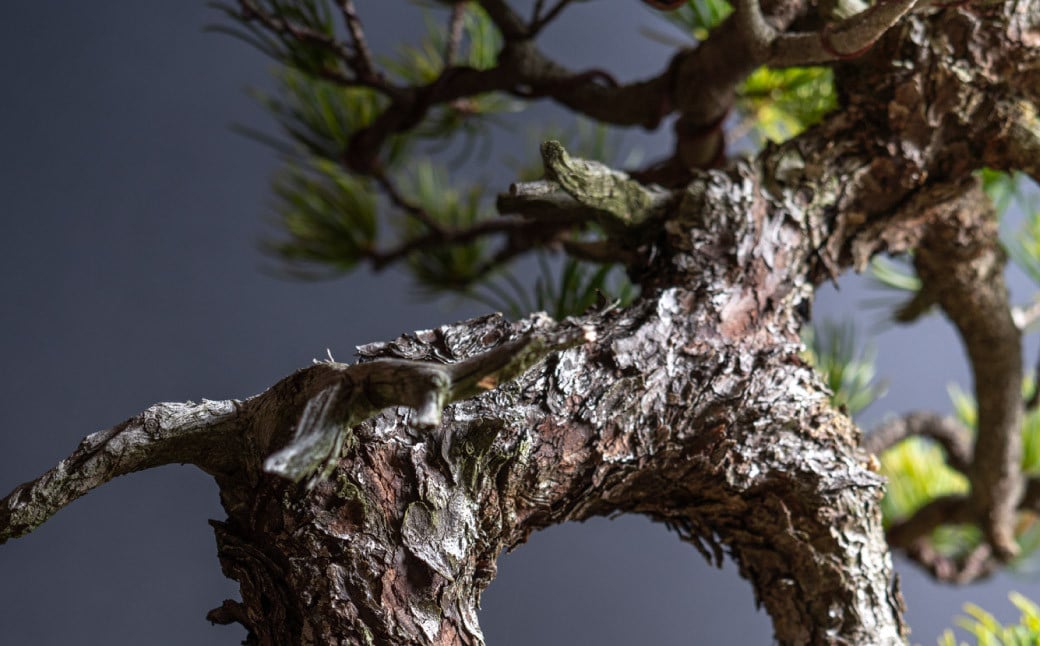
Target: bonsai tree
point(665, 374)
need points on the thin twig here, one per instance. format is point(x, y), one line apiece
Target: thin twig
point(363, 74)
point(974, 566)
point(399, 200)
point(538, 225)
point(539, 23)
point(455, 23)
point(364, 59)
point(536, 13)
point(299, 32)
point(508, 22)
point(506, 225)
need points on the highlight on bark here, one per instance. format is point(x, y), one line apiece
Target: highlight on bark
point(368, 502)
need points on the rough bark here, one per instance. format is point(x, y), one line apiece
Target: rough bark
point(670, 415)
point(692, 406)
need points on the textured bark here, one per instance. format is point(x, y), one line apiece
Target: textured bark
point(692, 406)
point(961, 264)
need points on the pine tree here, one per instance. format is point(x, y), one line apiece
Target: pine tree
point(661, 362)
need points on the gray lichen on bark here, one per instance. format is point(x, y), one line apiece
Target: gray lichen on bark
point(691, 406)
point(408, 473)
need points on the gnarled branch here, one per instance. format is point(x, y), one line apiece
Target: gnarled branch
point(225, 437)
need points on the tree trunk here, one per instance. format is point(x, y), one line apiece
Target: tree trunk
point(692, 406)
point(728, 439)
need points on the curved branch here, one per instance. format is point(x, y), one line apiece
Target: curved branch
point(974, 566)
point(698, 82)
point(222, 437)
point(961, 262)
point(704, 82)
point(911, 534)
point(948, 432)
point(163, 434)
point(945, 510)
point(846, 39)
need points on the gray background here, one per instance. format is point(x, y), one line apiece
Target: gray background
point(131, 274)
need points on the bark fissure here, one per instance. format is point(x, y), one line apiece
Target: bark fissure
point(408, 473)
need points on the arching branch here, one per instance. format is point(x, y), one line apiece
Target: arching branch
point(322, 403)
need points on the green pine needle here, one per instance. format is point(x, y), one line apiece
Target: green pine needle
point(988, 631)
point(848, 370)
point(443, 268)
point(782, 103)
point(560, 290)
point(328, 216)
point(917, 474)
point(698, 17)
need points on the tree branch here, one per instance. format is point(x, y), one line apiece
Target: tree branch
point(363, 61)
point(620, 202)
point(328, 399)
point(539, 22)
point(950, 434)
point(974, 566)
point(368, 388)
point(961, 262)
point(945, 510)
point(413, 210)
point(912, 534)
point(360, 63)
point(201, 434)
point(512, 227)
point(455, 24)
point(846, 39)
point(703, 82)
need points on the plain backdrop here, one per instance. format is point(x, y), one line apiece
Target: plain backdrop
point(131, 273)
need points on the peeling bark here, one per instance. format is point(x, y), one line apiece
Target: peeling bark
point(692, 406)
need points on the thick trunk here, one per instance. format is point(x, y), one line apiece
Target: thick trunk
point(732, 445)
point(692, 407)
